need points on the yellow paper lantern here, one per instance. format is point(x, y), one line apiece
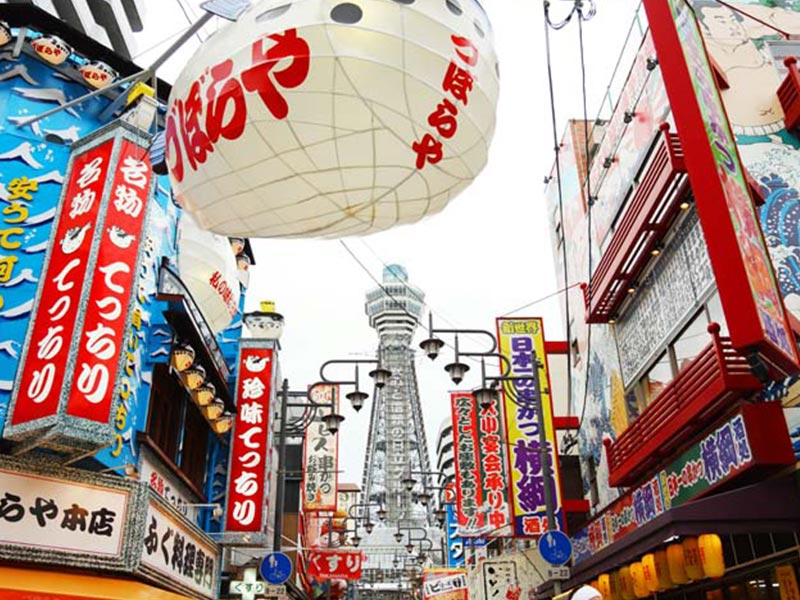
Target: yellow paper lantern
point(194, 376)
point(691, 556)
point(182, 357)
point(604, 585)
point(675, 564)
point(637, 575)
point(662, 570)
point(52, 49)
point(97, 74)
point(711, 556)
point(223, 424)
point(625, 583)
point(204, 394)
point(213, 411)
point(649, 571)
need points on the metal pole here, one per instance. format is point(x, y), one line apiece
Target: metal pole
point(281, 496)
point(545, 453)
point(330, 545)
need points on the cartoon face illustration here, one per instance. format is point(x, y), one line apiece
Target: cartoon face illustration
point(120, 238)
point(73, 239)
point(256, 364)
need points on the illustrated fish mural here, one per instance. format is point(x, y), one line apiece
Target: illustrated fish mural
point(53, 95)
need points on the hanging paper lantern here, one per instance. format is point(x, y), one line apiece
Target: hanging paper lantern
point(208, 269)
point(194, 376)
point(97, 74)
point(711, 556)
point(5, 33)
point(691, 559)
point(639, 585)
point(649, 571)
point(607, 583)
point(182, 357)
point(204, 394)
point(675, 564)
point(662, 570)
point(223, 424)
point(214, 410)
point(625, 583)
point(328, 118)
point(52, 49)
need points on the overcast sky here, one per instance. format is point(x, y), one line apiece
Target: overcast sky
point(485, 255)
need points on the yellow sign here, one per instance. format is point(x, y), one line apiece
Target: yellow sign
point(521, 341)
point(787, 581)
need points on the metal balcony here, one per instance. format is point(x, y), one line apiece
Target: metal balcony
point(789, 94)
point(655, 202)
point(706, 387)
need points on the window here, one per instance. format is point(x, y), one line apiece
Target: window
point(176, 426)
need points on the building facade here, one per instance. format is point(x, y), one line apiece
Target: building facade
point(684, 327)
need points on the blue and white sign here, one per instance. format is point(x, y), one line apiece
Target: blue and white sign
point(555, 547)
point(276, 568)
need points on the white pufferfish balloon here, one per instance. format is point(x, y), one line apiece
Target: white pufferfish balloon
point(328, 118)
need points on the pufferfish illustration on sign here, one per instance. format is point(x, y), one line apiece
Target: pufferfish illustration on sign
point(119, 237)
point(325, 118)
point(73, 238)
point(256, 364)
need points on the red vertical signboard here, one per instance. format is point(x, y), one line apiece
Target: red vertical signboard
point(101, 338)
point(467, 463)
point(45, 358)
point(750, 296)
point(247, 466)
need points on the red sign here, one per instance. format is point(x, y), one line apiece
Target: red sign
point(750, 296)
point(494, 470)
point(247, 467)
point(467, 463)
point(106, 320)
point(335, 564)
point(44, 362)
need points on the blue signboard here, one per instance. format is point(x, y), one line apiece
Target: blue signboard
point(555, 547)
point(276, 568)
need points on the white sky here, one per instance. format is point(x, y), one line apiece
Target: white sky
point(486, 254)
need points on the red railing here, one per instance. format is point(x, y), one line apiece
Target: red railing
point(789, 94)
point(714, 379)
point(650, 211)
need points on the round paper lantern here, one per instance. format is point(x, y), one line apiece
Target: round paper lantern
point(195, 376)
point(223, 424)
point(327, 118)
point(5, 33)
point(675, 564)
point(182, 357)
point(711, 556)
point(52, 49)
point(625, 583)
point(204, 394)
point(97, 74)
point(214, 410)
point(691, 559)
point(208, 269)
point(639, 585)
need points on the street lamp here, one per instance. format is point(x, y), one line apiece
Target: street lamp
point(380, 376)
point(441, 515)
point(408, 482)
point(424, 498)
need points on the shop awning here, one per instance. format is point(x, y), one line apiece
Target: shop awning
point(778, 509)
point(26, 584)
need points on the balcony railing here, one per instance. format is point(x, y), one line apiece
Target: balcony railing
point(649, 213)
point(709, 384)
point(789, 94)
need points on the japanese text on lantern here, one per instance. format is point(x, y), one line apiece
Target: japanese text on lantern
point(249, 446)
point(20, 192)
point(467, 462)
point(522, 341)
point(321, 453)
point(216, 105)
point(335, 564)
point(457, 83)
point(103, 332)
point(38, 385)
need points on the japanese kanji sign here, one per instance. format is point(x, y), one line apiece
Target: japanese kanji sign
point(750, 296)
point(44, 361)
point(321, 456)
point(467, 463)
point(733, 446)
point(500, 581)
point(247, 465)
point(444, 584)
point(518, 339)
point(101, 339)
point(61, 515)
point(335, 564)
point(178, 552)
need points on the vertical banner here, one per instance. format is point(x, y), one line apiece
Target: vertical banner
point(750, 296)
point(247, 468)
point(321, 456)
point(444, 584)
point(44, 361)
point(107, 310)
point(494, 470)
point(467, 465)
point(518, 338)
point(455, 543)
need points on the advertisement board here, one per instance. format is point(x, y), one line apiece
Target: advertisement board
point(321, 455)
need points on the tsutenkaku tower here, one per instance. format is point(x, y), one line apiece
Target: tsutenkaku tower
point(397, 431)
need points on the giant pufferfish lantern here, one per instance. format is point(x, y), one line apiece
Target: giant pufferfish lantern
point(324, 118)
